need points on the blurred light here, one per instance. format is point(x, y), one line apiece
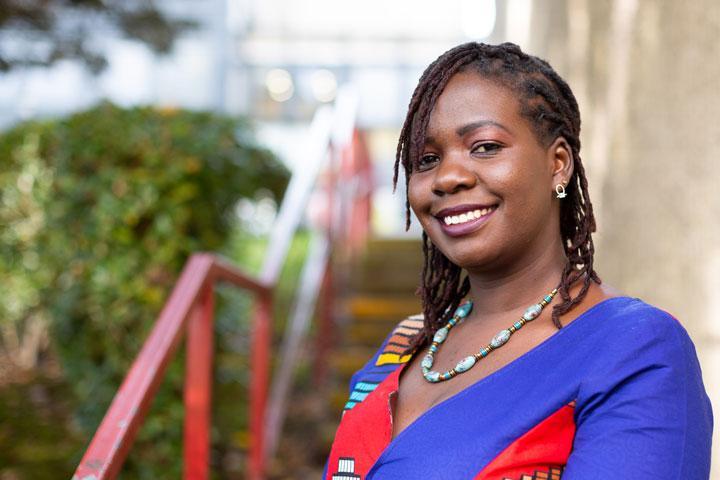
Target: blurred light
point(25, 183)
point(257, 215)
point(279, 84)
point(517, 26)
point(324, 85)
point(478, 18)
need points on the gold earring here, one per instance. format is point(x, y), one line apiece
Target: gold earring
point(560, 191)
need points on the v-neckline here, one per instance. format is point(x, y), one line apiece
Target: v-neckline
point(492, 375)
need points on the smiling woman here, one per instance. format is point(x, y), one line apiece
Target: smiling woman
point(600, 385)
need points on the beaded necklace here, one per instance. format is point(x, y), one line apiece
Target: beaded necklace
point(497, 341)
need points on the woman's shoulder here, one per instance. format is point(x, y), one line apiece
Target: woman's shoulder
point(629, 320)
point(639, 384)
point(616, 313)
point(627, 335)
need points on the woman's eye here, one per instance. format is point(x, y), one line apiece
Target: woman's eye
point(426, 162)
point(486, 147)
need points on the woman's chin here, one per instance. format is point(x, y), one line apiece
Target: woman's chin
point(472, 259)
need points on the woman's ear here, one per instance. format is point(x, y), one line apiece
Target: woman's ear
point(561, 158)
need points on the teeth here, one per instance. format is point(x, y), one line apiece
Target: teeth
point(466, 217)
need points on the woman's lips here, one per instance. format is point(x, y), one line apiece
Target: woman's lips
point(463, 222)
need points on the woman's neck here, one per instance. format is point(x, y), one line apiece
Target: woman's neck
point(528, 280)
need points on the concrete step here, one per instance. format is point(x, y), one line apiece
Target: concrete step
point(389, 266)
point(350, 360)
point(387, 280)
point(382, 293)
point(375, 315)
point(381, 307)
point(366, 334)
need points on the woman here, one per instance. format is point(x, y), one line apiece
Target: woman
point(585, 383)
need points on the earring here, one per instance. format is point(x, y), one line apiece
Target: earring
point(560, 190)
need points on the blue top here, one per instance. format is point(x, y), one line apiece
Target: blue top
point(617, 393)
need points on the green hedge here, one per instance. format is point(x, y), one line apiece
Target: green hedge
point(98, 213)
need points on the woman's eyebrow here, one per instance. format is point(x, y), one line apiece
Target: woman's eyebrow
point(460, 131)
point(475, 125)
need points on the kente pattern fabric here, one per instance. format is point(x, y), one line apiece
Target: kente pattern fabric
point(617, 393)
point(390, 356)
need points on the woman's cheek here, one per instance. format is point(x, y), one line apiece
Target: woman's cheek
point(416, 188)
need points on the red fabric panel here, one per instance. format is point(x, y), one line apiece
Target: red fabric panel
point(365, 430)
point(547, 444)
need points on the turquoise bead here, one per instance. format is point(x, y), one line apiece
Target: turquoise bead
point(440, 335)
point(465, 364)
point(463, 310)
point(432, 377)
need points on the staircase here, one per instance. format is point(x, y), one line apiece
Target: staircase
point(381, 293)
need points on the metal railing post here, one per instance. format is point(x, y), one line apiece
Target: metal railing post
point(113, 438)
point(260, 371)
point(325, 328)
point(198, 388)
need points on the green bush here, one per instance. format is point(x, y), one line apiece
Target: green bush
point(98, 213)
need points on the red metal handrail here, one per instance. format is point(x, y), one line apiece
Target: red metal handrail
point(191, 306)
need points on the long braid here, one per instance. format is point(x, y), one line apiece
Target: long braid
point(550, 106)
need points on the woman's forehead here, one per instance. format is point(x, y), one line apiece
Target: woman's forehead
point(470, 100)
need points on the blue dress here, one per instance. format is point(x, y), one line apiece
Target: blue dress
point(617, 393)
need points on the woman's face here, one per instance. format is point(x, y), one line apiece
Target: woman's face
point(483, 187)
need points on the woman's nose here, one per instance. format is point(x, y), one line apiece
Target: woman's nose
point(452, 175)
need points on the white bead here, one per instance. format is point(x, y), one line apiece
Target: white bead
point(532, 312)
point(500, 339)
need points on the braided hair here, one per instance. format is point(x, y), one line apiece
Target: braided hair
point(549, 105)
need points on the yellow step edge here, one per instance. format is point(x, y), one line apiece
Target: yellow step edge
point(369, 306)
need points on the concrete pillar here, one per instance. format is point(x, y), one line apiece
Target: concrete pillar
point(647, 77)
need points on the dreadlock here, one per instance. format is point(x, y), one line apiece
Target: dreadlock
point(547, 102)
